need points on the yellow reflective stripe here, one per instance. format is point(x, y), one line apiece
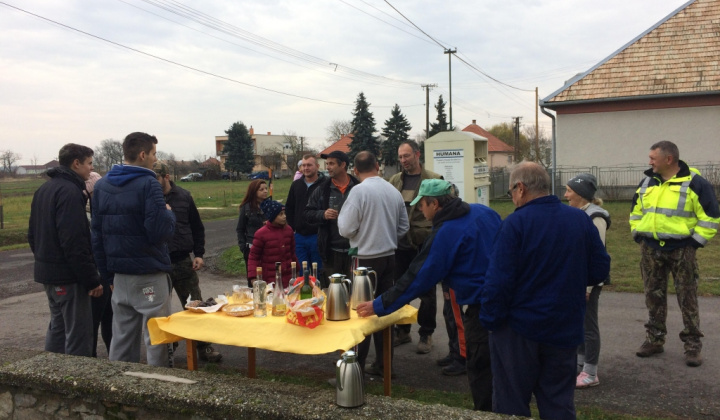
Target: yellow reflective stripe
point(642, 190)
point(709, 225)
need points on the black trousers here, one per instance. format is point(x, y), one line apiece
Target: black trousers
point(385, 269)
point(477, 350)
point(428, 301)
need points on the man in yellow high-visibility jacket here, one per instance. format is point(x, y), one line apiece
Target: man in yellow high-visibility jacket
point(674, 212)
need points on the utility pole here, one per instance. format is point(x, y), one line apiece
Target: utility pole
point(537, 128)
point(427, 108)
point(450, 52)
point(516, 131)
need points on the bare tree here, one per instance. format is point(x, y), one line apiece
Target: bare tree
point(8, 159)
point(109, 153)
point(337, 130)
point(540, 146)
point(293, 149)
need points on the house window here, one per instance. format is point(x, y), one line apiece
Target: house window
point(509, 159)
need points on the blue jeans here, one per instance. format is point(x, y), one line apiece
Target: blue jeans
point(306, 249)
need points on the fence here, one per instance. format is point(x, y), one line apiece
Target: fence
point(614, 183)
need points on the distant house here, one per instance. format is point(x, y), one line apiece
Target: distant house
point(500, 154)
point(36, 169)
point(662, 85)
point(263, 144)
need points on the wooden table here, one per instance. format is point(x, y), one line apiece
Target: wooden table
point(276, 334)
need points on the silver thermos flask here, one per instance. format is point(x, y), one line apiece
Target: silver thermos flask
point(349, 387)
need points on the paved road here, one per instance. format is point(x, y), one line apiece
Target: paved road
point(16, 267)
point(659, 386)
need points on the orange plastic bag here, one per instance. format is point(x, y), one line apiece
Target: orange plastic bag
point(305, 312)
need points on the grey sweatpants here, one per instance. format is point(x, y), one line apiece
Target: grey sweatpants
point(136, 299)
point(70, 329)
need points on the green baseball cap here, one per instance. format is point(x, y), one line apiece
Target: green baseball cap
point(433, 188)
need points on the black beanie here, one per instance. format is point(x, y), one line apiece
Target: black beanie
point(271, 209)
point(584, 185)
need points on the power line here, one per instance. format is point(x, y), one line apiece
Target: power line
point(174, 62)
point(197, 16)
point(416, 27)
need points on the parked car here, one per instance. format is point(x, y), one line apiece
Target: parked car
point(191, 177)
point(259, 175)
point(228, 175)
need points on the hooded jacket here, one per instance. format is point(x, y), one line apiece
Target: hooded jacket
point(297, 199)
point(272, 243)
point(456, 253)
point(131, 225)
point(189, 230)
point(58, 233)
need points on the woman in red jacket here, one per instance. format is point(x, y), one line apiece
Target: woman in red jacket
point(272, 243)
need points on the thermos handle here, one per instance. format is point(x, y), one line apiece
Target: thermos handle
point(338, 377)
point(376, 282)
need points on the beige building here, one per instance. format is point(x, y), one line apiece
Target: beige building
point(500, 154)
point(662, 85)
point(264, 145)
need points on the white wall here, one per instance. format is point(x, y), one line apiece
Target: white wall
point(624, 138)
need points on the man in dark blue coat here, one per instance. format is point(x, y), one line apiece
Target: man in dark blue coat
point(131, 226)
point(456, 252)
point(59, 237)
point(533, 300)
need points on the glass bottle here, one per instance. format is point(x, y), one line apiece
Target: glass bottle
point(293, 267)
point(306, 290)
point(278, 302)
point(259, 287)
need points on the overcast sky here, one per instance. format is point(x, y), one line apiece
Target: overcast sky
point(186, 70)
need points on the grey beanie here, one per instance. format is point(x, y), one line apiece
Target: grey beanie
point(584, 185)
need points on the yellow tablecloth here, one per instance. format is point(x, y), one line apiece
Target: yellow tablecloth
point(273, 333)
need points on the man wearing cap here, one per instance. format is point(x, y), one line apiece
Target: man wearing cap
point(374, 219)
point(306, 246)
point(323, 208)
point(189, 237)
point(408, 183)
point(533, 298)
point(674, 212)
point(456, 253)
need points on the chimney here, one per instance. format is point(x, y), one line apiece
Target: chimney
point(252, 130)
point(474, 122)
point(269, 133)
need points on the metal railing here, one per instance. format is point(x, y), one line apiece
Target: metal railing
point(614, 183)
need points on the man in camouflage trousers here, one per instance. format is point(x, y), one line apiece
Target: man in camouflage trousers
point(189, 237)
point(674, 212)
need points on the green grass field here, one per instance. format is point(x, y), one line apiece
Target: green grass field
point(220, 199)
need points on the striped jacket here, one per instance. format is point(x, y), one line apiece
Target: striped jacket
point(675, 213)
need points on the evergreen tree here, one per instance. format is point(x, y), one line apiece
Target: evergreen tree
point(239, 149)
point(363, 127)
point(395, 132)
point(441, 123)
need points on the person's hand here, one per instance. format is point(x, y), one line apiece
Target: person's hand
point(198, 263)
point(96, 292)
point(331, 214)
point(587, 296)
point(167, 206)
point(365, 309)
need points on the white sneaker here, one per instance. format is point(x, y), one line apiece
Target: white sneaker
point(584, 380)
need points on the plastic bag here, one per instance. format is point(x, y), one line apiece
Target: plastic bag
point(305, 312)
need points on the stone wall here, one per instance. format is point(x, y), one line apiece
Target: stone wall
point(39, 385)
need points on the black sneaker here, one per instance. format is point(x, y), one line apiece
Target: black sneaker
point(445, 361)
point(209, 354)
point(376, 370)
point(401, 337)
point(455, 369)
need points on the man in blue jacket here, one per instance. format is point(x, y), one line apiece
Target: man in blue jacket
point(533, 300)
point(456, 252)
point(131, 226)
point(59, 237)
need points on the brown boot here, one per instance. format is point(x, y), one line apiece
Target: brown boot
point(693, 358)
point(648, 349)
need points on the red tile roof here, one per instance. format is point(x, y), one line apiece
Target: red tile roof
point(494, 143)
point(342, 145)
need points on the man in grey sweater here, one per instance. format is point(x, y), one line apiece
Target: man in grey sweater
point(373, 218)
